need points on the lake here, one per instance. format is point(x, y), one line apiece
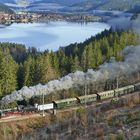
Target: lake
point(50, 35)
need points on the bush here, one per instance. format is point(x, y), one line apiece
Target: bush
point(136, 138)
point(120, 137)
point(81, 111)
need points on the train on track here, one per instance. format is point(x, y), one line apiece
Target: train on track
point(60, 104)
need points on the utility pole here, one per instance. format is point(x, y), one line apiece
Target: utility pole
point(85, 105)
point(117, 86)
point(43, 114)
point(117, 82)
point(85, 98)
point(85, 90)
point(138, 76)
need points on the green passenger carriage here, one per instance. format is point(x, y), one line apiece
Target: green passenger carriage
point(124, 90)
point(65, 103)
point(106, 94)
point(137, 86)
point(87, 98)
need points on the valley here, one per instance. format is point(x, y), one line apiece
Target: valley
point(69, 70)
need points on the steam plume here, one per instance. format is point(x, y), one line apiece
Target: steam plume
point(106, 71)
point(136, 25)
point(120, 23)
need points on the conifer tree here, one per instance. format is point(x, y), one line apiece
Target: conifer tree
point(8, 73)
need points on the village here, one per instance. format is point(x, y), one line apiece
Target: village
point(30, 17)
point(20, 17)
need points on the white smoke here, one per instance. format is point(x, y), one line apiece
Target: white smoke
point(125, 23)
point(106, 71)
point(120, 23)
point(136, 25)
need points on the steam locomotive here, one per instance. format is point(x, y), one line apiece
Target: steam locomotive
point(60, 104)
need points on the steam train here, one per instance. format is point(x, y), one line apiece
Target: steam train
point(96, 97)
point(64, 103)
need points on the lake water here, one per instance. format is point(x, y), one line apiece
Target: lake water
point(50, 35)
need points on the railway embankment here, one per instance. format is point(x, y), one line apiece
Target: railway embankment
point(108, 120)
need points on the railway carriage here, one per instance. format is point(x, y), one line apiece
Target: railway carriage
point(13, 109)
point(106, 94)
point(65, 103)
point(124, 90)
point(137, 86)
point(87, 98)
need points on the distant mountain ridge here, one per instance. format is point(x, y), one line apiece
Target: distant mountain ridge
point(62, 2)
point(7, 1)
point(121, 5)
point(90, 4)
point(5, 9)
point(83, 5)
point(40, 4)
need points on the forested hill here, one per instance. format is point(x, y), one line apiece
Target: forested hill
point(75, 5)
point(20, 67)
point(5, 9)
point(135, 10)
point(121, 5)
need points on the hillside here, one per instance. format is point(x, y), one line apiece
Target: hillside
point(7, 1)
point(121, 5)
point(40, 4)
point(5, 9)
point(72, 5)
point(136, 9)
point(29, 67)
point(107, 121)
point(62, 2)
point(89, 4)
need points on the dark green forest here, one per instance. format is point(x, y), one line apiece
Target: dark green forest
point(20, 66)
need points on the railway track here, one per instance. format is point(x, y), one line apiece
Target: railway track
point(37, 115)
